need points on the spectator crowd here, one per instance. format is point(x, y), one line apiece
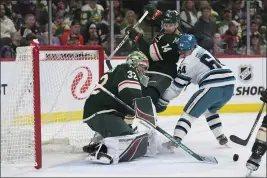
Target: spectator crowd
point(219, 25)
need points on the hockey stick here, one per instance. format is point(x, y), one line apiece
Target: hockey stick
point(240, 141)
point(123, 41)
point(166, 134)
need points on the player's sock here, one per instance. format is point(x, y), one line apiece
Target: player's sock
point(215, 125)
point(183, 126)
point(181, 129)
point(146, 110)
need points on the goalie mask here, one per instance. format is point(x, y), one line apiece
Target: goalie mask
point(170, 21)
point(139, 61)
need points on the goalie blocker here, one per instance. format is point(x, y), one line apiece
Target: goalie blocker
point(123, 146)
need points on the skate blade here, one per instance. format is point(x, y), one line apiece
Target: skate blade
point(227, 145)
point(165, 148)
point(249, 173)
point(102, 160)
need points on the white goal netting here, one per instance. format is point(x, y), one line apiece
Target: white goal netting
point(66, 78)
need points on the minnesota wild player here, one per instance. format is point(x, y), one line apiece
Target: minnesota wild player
point(162, 53)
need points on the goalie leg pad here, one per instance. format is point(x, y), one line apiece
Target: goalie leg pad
point(146, 113)
point(145, 110)
point(133, 147)
point(152, 143)
point(120, 149)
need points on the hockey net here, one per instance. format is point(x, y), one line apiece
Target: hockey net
point(45, 104)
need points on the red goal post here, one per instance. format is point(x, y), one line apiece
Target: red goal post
point(45, 104)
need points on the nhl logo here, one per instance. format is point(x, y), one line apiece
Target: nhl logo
point(245, 72)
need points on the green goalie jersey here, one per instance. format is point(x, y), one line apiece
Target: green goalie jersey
point(123, 82)
point(162, 53)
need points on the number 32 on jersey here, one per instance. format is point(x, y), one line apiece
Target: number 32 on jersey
point(131, 75)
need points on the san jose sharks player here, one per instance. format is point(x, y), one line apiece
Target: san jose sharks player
point(216, 86)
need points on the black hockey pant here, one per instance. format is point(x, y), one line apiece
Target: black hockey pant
point(109, 125)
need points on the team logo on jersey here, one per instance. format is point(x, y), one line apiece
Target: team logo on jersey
point(81, 82)
point(166, 48)
point(245, 72)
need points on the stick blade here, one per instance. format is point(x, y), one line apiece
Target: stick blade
point(208, 159)
point(238, 140)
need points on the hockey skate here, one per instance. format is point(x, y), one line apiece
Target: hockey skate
point(253, 164)
point(222, 139)
point(254, 160)
point(99, 155)
point(171, 145)
point(91, 147)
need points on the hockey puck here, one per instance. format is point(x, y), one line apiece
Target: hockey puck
point(235, 157)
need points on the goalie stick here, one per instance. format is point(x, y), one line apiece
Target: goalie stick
point(123, 41)
point(207, 159)
point(240, 141)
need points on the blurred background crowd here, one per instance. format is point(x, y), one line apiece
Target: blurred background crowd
point(221, 26)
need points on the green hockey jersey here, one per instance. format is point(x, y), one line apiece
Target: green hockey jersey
point(162, 53)
point(123, 82)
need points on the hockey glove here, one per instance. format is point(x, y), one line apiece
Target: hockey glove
point(133, 34)
point(162, 105)
point(153, 12)
point(264, 96)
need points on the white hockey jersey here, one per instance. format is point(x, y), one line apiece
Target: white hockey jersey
point(200, 68)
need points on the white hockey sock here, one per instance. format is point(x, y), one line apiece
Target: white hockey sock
point(183, 125)
point(261, 135)
point(214, 123)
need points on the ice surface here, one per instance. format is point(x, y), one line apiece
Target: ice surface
point(177, 164)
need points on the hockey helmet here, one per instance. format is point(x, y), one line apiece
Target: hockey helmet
point(139, 61)
point(137, 58)
point(171, 16)
point(186, 42)
point(170, 21)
